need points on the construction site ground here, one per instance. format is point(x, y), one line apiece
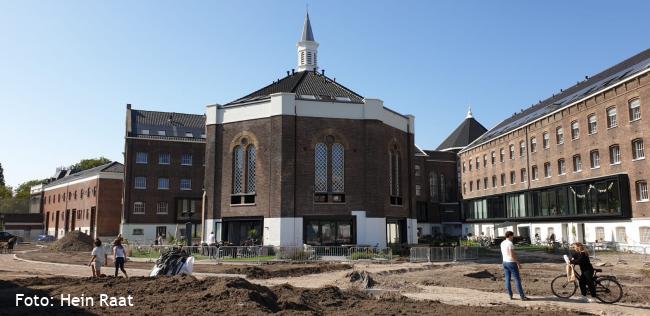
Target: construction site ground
point(400, 288)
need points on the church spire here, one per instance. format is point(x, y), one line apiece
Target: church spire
point(307, 48)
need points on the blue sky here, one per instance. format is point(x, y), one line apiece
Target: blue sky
point(68, 68)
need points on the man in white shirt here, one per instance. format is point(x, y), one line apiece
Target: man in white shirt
point(212, 244)
point(511, 265)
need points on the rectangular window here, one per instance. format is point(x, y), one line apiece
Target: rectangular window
point(641, 191)
point(144, 132)
point(637, 149)
point(503, 179)
point(164, 159)
point(614, 155)
point(535, 172)
point(635, 110)
point(559, 135)
point(162, 133)
point(561, 167)
point(546, 141)
point(417, 190)
point(163, 183)
point(593, 124)
point(138, 232)
point(141, 158)
point(186, 184)
point(494, 156)
point(138, 207)
point(577, 163)
point(644, 235)
point(512, 177)
point(162, 208)
point(140, 182)
point(547, 170)
point(595, 159)
point(485, 183)
point(522, 149)
point(512, 151)
point(501, 155)
point(621, 236)
point(189, 134)
point(533, 145)
point(575, 130)
point(612, 120)
point(186, 159)
point(600, 234)
point(417, 170)
point(494, 181)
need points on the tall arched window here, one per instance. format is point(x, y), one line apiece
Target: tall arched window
point(433, 186)
point(394, 178)
point(244, 159)
point(329, 171)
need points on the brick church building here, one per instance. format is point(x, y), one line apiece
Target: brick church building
point(307, 160)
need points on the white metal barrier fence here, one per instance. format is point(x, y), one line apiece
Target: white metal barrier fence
point(443, 254)
point(259, 254)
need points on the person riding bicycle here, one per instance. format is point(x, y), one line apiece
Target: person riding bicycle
point(586, 281)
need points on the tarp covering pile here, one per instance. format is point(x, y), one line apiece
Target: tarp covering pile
point(173, 261)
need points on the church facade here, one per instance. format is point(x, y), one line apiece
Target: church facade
point(306, 160)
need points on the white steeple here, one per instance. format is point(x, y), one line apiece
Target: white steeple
point(307, 48)
point(469, 112)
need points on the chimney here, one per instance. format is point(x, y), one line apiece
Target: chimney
point(170, 118)
point(287, 73)
point(293, 71)
point(322, 72)
point(128, 106)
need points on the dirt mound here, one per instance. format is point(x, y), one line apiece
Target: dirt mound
point(231, 296)
point(255, 272)
point(485, 274)
point(74, 241)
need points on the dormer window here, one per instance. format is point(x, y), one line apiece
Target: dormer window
point(162, 133)
point(144, 132)
point(189, 134)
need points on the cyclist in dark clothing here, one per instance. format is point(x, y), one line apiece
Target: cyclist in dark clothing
point(586, 281)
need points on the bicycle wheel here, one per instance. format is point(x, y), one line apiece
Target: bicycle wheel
point(562, 288)
point(608, 290)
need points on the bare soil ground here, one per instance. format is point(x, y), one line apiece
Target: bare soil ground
point(264, 271)
point(232, 296)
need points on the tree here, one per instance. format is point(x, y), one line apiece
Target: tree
point(5, 193)
point(2, 176)
point(24, 189)
point(86, 164)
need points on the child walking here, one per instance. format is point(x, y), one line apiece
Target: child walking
point(119, 255)
point(98, 258)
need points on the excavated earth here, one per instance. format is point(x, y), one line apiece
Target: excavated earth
point(231, 296)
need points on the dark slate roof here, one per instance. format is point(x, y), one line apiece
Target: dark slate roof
point(469, 130)
point(112, 167)
point(601, 81)
point(307, 34)
point(307, 85)
point(175, 125)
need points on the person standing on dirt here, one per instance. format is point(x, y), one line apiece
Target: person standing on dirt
point(511, 265)
point(119, 256)
point(98, 258)
point(586, 281)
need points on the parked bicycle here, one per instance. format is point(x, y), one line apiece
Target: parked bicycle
point(608, 290)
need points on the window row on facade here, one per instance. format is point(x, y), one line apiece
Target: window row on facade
point(329, 172)
point(164, 133)
point(638, 153)
point(163, 158)
point(71, 195)
point(587, 198)
point(634, 111)
point(184, 208)
point(140, 183)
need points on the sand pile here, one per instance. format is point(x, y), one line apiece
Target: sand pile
point(229, 296)
point(74, 241)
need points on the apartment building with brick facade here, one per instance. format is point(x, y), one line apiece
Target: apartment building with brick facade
point(164, 171)
point(89, 201)
point(572, 166)
point(306, 160)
